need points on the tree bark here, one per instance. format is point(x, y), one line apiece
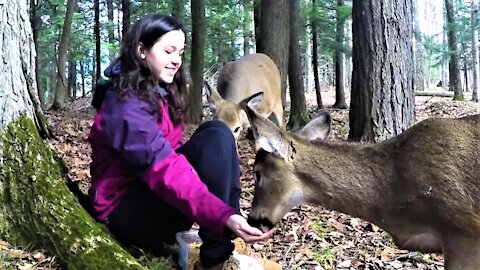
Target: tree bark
point(382, 101)
point(298, 107)
point(61, 84)
point(36, 207)
point(126, 16)
point(316, 78)
point(198, 59)
point(453, 66)
point(96, 32)
point(419, 62)
point(36, 22)
point(257, 18)
point(274, 27)
point(110, 29)
point(475, 55)
point(178, 9)
point(340, 61)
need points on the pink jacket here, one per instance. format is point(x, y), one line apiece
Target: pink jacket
point(131, 143)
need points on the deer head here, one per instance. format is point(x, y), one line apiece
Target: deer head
point(240, 79)
point(422, 186)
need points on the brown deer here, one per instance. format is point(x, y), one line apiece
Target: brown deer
point(422, 186)
point(240, 79)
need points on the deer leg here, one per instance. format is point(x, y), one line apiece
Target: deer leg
point(462, 252)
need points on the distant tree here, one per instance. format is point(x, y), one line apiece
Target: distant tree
point(455, 83)
point(96, 32)
point(298, 107)
point(110, 29)
point(418, 45)
point(339, 58)
point(178, 9)
point(61, 81)
point(475, 57)
point(315, 57)
point(197, 62)
point(382, 99)
point(126, 16)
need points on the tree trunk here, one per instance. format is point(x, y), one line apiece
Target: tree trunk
point(96, 33)
point(198, 58)
point(453, 66)
point(316, 75)
point(382, 102)
point(246, 25)
point(257, 18)
point(340, 61)
point(36, 22)
point(298, 108)
point(178, 9)
point(274, 27)
point(126, 16)
point(475, 57)
point(72, 79)
point(419, 65)
point(110, 29)
point(61, 84)
point(37, 209)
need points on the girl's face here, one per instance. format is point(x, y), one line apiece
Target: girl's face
point(165, 57)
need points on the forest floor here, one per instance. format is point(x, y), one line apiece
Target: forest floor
point(308, 237)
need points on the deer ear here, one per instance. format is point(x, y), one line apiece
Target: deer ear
point(255, 100)
point(318, 128)
point(268, 135)
point(213, 97)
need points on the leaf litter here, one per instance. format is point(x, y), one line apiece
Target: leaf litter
point(308, 237)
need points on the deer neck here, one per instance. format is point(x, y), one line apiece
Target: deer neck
point(350, 178)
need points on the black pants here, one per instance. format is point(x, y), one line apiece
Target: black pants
point(144, 220)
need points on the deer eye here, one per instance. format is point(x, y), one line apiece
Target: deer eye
point(258, 179)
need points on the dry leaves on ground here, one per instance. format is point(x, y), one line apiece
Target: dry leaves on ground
point(307, 238)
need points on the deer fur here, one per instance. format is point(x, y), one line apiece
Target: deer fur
point(422, 186)
point(240, 79)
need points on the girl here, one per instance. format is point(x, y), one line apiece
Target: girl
point(147, 182)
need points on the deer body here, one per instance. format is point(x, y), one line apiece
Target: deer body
point(421, 186)
point(240, 79)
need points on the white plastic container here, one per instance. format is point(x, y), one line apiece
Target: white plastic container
point(188, 247)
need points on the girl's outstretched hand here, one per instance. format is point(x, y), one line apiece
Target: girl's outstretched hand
point(241, 228)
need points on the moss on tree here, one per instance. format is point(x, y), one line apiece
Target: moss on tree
point(38, 210)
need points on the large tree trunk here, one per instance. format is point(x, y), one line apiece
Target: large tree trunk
point(316, 75)
point(274, 28)
point(36, 207)
point(382, 101)
point(298, 108)
point(61, 84)
point(453, 66)
point(340, 61)
point(198, 59)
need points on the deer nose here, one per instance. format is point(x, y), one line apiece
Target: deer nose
point(260, 222)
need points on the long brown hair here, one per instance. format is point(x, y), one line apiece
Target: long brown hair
point(137, 78)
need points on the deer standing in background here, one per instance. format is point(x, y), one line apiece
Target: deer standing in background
point(422, 186)
point(240, 79)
